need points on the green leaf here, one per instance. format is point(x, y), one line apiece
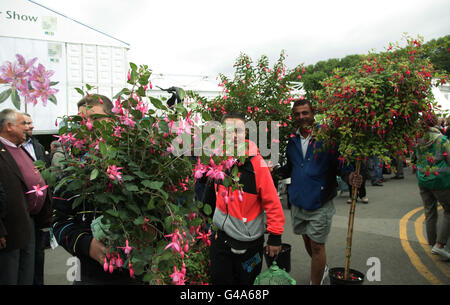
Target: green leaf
point(127, 178)
point(139, 221)
point(134, 208)
point(180, 108)
point(131, 188)
point(4, 95)
point(157, 103)
point(151, 204)
point(94, 174)
point(80, 91)
point(103, 148)
point(181, 93)
point(77, 202)
point(133, 66)
point(168, 223)
point(52, 99)
point(15, 99)
point(155, 185)
point(207, 209)
point(141, 175)
point(112, 212)
point(53, 83)
point(206, 116)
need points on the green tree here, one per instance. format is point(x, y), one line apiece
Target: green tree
point(438, 51)
point(258, 92)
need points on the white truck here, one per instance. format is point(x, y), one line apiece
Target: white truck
point(77, 53)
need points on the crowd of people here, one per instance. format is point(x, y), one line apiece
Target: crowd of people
point(28, 209)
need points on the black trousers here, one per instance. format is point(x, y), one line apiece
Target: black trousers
point(228, 268)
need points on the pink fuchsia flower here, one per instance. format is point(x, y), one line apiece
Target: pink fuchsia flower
point(229, 162)
point(119, 262)
point(176, 242)
point(113, 173)
point(38, 190)
point(170, 149)
point(199, 170)
point(105, 265)
point(79, 143)
point(126, 120)
point(111, 266)
point(216, 173)
point(67, 137)
point(142, 107)
point(205, 238)
point(127, 249)
point(130, 266)
point(117, 107)
point(89, 124)
point(192, 215)
point(240, 196)
point(178, 277)
point(174, 245)
point(118, 131)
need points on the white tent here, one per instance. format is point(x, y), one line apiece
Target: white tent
point(442, 96)
point(77, 53)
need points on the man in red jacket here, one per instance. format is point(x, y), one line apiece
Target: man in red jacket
point(237, 251)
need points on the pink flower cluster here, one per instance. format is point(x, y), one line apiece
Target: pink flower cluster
point(114, 173)
point(113, 260)
point(212, 170)
point(30, 81)
point(180, 244)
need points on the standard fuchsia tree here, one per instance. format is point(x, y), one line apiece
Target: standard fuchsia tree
point(375, 109)
point(259, 92)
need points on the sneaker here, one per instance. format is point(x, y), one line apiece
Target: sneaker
point(441, 251)
point(365, 200)
point(325, 274)
point(349, 201)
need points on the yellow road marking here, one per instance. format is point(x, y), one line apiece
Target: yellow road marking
point(418, 225)
point(415, 260)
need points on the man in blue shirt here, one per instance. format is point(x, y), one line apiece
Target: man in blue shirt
point(313, 173)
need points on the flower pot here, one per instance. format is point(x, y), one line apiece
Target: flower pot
point(337, 277)
point(283, 259)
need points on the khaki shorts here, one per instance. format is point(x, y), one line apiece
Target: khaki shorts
point(316, 223)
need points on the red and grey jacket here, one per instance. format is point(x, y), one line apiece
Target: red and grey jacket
point(244, 220)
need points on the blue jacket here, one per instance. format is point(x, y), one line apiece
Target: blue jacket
point(313, 178)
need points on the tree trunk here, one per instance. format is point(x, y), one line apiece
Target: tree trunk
point(351, 219)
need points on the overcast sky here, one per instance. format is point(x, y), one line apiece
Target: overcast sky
point(204, 37)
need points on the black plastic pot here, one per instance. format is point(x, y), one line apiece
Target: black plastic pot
point(283, 259)
point(355, 278)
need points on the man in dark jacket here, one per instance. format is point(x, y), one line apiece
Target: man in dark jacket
point(27, 203)
point(32, 145)
point(72, 226)
point(2, 201)
point(313, 172)
point(37, 151)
